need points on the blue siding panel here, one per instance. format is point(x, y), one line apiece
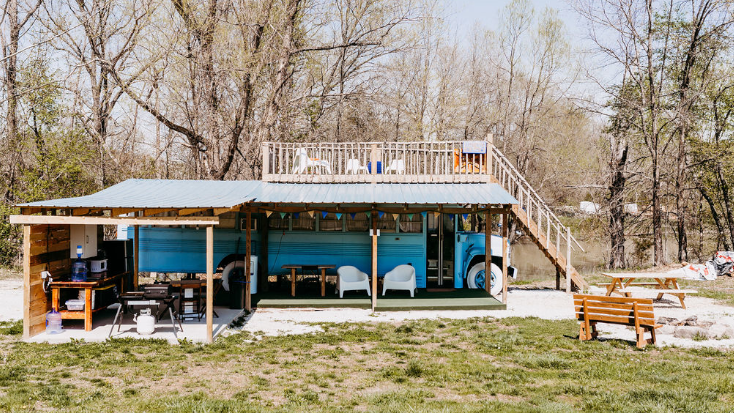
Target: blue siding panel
point(184, 249)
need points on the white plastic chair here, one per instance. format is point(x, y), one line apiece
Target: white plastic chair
point(354, 167)
point(301, 162)
point(352, 279)
point(401, 277)
point(397, 166)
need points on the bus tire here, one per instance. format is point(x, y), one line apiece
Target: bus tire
point(227, 271)
point(475, 278)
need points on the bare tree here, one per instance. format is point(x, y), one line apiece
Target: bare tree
point(16, 20)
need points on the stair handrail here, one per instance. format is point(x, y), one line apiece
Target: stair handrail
point(517, 176)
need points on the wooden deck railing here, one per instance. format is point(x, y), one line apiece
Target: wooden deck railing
point(420, 162)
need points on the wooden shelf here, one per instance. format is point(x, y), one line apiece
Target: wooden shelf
point(77, 314)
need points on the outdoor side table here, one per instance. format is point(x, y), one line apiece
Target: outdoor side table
point(320, 267)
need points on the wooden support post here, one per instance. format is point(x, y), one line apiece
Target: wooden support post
point(505, 232)
point(26, 281)
point(248, 251)
point(490, 145)
point(568, 260)
point(558, 279)
point(136, 261)
point(209, 284)
point(374, 258)
point(488, 252)
point(264, 265)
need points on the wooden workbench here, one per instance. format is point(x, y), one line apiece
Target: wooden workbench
point(87, 286)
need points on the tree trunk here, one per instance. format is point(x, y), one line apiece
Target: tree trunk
point(715, 216)
point(11, 75)
point(618, 165)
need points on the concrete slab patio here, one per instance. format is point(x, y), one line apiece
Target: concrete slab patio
point(193, 330)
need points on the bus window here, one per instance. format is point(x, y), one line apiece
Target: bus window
point(386, 223)
point(411, 225)
point(330, 223)
point(276, 222)
point(304, 222)
point(360, 223)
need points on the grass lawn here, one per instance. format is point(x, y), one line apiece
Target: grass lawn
point(463, 365)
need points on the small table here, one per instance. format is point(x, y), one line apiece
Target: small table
point(87, 286)
point(137, 300)
point(664, 281)
point(322, 268)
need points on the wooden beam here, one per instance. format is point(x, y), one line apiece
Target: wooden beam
point(209, 284)
point(505, 232)
point(374, 258)
point(154, 211)
point(488, 252)
point(116, 212)
point(189, 211)
point(390, 210)
point(72, 220)
point(26, 281)
point(248, 249)
point(136, 258)
point(32, 210)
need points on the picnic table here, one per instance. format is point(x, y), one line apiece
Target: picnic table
point(308, 267)
point(666, 283)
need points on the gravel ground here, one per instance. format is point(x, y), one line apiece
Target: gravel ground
point(547, 304)
point(543, 303)
point(11, 300)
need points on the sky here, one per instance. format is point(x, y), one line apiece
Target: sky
point(466, 12)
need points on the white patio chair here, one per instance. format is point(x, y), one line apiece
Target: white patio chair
point(352, 279)
point(396, 166)
point(301, 162)
point(354, 167)
point(401, 277)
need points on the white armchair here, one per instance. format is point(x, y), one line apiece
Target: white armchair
point(401, 277)
point(351, 279)
point(354, 167)
point(396, 166)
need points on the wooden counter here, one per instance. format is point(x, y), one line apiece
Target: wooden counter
point(87, 286)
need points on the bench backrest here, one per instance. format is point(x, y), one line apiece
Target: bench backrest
point(617, 310)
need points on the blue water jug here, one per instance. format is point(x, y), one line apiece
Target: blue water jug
point(79, 268)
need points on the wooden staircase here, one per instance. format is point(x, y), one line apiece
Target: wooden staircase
point(537, 220)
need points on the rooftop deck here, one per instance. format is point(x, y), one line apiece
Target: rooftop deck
point(408, 162)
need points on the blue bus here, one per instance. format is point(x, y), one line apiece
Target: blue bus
point(440, 246)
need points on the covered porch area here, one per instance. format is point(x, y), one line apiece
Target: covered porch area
point(425, 299)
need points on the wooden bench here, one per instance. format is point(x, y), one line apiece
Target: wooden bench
point(634, 312)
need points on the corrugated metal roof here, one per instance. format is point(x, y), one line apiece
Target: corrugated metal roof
point(158, 193)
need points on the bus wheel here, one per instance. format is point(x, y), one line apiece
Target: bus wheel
point(235, 269)
point(476, 278)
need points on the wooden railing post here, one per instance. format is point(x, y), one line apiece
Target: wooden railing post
point(265, 150)
point(568, 259)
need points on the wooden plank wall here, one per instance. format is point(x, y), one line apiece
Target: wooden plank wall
point(45, 248)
